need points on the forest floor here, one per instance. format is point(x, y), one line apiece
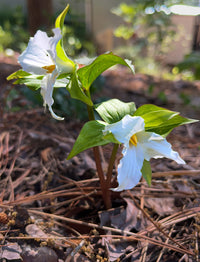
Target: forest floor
point(51, 208)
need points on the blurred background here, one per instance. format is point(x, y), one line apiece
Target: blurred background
point(162, 38)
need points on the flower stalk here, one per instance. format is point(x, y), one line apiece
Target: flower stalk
point(103, 182)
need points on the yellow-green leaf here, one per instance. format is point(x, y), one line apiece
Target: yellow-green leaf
point(59, 48)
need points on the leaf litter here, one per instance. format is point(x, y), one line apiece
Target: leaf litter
point(51, 209)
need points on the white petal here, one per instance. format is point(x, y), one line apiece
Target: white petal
point(54, 115)
point(129, 168)
point(41, 51)
point(155, 146)
point(47, 84)
point(129, 62)
point(54, 41)
point(47, 89)
point(125, 128)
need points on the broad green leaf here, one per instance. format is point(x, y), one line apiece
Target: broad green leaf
point(114, 110)
point(34, 81)
point(91, 135)
point(160, 120)
point(154, 115)
point(59, 48)
point(89, 73)
point(165, 128)
point(111, 138)
point(24, 78)
point(146, 172)
point(76, 91)
point(18, 74)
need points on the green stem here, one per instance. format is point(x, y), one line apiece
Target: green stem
point(103, 181)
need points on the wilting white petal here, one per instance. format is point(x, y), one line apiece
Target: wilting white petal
point(40, 52)
point(129, 168)
point(155, 146)
point(47, 84)
point(126, 127)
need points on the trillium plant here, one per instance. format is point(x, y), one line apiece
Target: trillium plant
point(141, 132)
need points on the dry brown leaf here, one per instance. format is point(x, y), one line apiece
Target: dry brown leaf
point(45, 154)
point(11, 252)
point(128, 218)
point(41, 254)
point(161, 206)
point(34, 231)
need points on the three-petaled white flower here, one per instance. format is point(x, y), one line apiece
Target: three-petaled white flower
point(40, 58)
point(138, 145)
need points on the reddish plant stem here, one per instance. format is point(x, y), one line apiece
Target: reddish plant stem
point(111, 164)
point(103, 182)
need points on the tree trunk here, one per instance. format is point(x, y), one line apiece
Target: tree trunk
point(39, 15)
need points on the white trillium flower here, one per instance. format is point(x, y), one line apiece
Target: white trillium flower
point(40, 58)
point(138, 145)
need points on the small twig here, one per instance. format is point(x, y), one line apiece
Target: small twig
point(184, 258)
point(9, 178)
point(176, 173)
point(174, 219)
point(4, 136)
point(144, 253)
point(166, 242)
point(196, 234)
point(75, 251)
point(57, 205)
point(156, 224)
point(132, 236)
point(68, 228)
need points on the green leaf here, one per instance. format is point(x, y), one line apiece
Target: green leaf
point(18, 74)
point(114, 110)
point(146, 172)
point(76, 91)
point(61, 18)
point(34, 81)
point(165, 128)
point(160, 120)
point(91, 135)
point(154, 115)
point(59, 47)
point(89, 73)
